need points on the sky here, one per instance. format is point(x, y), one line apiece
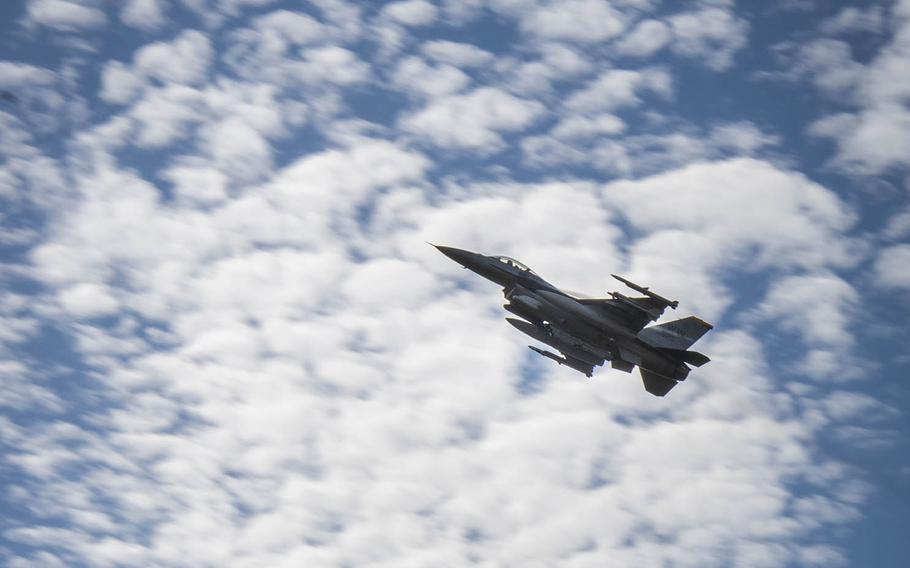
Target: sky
point(224, 340)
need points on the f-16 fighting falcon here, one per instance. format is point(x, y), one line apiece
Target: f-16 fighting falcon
point(589, 332)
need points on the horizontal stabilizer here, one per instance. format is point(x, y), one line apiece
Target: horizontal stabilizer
point(655, 384)
point(677, 334)
point(693, 358)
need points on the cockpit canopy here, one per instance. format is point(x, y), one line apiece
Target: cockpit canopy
point(512, 262)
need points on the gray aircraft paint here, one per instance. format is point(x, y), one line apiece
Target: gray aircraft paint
point(590, 331)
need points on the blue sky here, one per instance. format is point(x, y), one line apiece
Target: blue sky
point(224, 341)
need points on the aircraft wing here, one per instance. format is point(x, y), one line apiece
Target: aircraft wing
point(635, 313)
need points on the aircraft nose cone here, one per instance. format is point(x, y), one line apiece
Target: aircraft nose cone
point(462, 257)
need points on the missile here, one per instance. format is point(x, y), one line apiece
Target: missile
point(562, 343)
point(644, 290)
point(579, 366)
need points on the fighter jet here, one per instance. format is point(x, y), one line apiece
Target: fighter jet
point(588, 332)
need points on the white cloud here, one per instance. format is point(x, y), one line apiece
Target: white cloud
point(185, 60)
point(642, 5)
point(817, 307)
point(414, 77)
point(345, 17)
point(237, 149)
point(16, 323)
point(574, 20)
point(285, 26)
point(696, 221)
point(712, 35)
point(871, 140)
point(411, 12)
point(892, 267)
point(337, 180)
point(204, 185)
point(389, 284)
point(261, 285)
point(648, 37)
point(144, 14)
point(557, 63)
point(868, 137)
point(240, 119)
point(236, 6)
point(570, 148)
point(845, 405)
point(588, 127)
point(214, 13)
point(898, 226)
point(88, 300)
point(474, 119)
point(66, 15)
point(333, 65)
point(829, 64)
point(16, 75)
point(742, 137)
point(8, 184)
point(268, 51)
point(299, 200)
point(165, 115)
point(119, 84)
point(456, 53)
point(253, 104)
point(619, 88)
point(852, 20)
point(594, 140)
point(707, 196)
point(461, 12)
point(659, 152)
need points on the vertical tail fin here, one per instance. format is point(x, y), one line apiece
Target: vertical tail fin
point(678, 334)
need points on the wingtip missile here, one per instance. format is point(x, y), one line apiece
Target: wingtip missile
point(647, 292)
